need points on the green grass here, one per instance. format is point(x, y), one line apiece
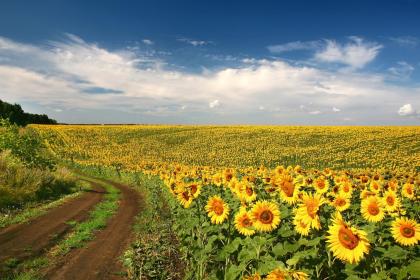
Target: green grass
point(83, 232)
point(29, 213)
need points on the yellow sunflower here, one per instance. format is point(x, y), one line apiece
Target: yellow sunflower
point(372, 209)
point(265, 215)
point(341, 203)
point(248, 193)
point(185, 198)
point(277, 274)
point(346, 189)
point(346, 242)
point(390, 201)
point(406, 231)
point(321, 185)
point(228, 174)
point(408, 190)
point(217, 179)
point(217, 209)
point(288, 190)
point(307, 211)
point(243, 222)
point(375, 186)
point(195, 189)
point(301, 227)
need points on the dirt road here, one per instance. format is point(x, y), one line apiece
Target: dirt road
point(99, 258)
point(22, 241)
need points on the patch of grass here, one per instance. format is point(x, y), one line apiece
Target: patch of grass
point(38, 210)
point(84, 231)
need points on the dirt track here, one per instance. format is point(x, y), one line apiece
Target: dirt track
point(99, 258)
point(33, 238)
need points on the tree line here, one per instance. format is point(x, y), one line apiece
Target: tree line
point(16, 115)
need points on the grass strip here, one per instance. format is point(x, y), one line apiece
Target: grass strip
point(33, 212)
point(83, 232)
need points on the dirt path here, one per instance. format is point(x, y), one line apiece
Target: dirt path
point(99, 259)
point(33, 238)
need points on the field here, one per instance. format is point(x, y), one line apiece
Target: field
point(274, 202)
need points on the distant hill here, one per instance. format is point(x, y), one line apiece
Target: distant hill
point(15, 114)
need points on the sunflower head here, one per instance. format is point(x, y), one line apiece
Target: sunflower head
point(406, 231)
point(217, 210)
point(265, 216)
point(243, 222)
point(347, 243)
point(372, 209)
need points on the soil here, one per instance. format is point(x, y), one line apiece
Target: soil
point(99, 259)
point(19, 242)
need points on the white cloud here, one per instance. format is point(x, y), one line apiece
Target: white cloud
point(63, 74)
point(214, 103)
point(406, 41)
point(294, 46)
point(193, 42)
point(356, 54)
point(315, 112)
point(407, 110)
point(148, 42)
point(402, 71)
point(336, 110)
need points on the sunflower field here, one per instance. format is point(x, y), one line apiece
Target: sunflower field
point(274, 202)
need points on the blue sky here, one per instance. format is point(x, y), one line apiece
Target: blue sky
point(266, 62)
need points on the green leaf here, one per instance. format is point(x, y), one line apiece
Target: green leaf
point(279, 250)
point(414, 269)
point(267, 264)
point(233, 272)
point(395, 253)
point(378, 276)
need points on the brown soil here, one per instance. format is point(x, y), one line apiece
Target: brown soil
point(22, 241)
point(99, 259)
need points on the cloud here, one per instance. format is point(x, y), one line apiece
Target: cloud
point(314, 112)
point(336, 110)
point(132, 87)
point(402, 71)
point(408, 110)
point(355, 54)
point(406, 41)
point(193, 42)
point(294, 46)
point(147, 42)
point(214, 103)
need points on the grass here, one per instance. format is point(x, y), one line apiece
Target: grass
point(84, 231)
point(29, 213)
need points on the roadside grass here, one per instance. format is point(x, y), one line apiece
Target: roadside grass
point(36, 210)
point(98, 217)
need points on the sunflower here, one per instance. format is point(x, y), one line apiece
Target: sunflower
point(248, 193)
point(346, 242)
point(185, 198)
point(405, 231)
point(195, 189)
point(265, 215)
point(228, 174)
point(408, 191)
point(393, 185)
point(346, 189)
point(390, 201)
point(277, 274)
point(217, 209)
point(321, 185)
point(307, 211)
point(243, 222)
point(288, 190)
point(217, 179)
point(372, 209)
point(301, 227)
point(341, 203)
point(375, 186)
